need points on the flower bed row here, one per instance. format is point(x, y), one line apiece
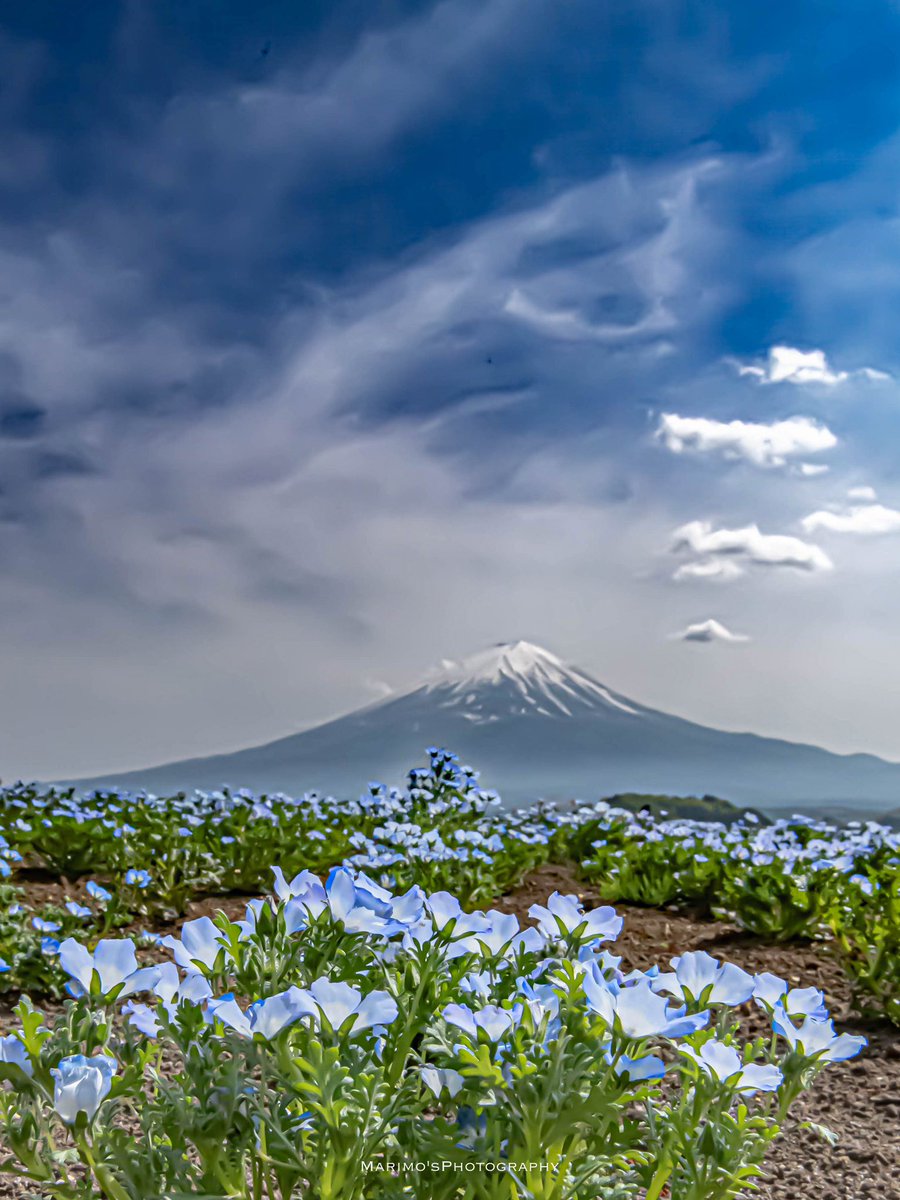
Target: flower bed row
point(344, 1040)
point(147, 857)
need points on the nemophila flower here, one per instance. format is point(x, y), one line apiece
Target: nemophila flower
point(302, 884)
point(251, 918)
point(81, 1085)
point(4, 966)
point(502, 935)
point(542, 998)
point(477, 983)
point(864, 884)
point(816, 1038)
point(136, 878)
point(359, 905)
point(171, 991)
point(12, 1051)
point(492, 1020)
point(100, 894)
point(770, 991)
point(78, 910)
point(43, 926)
point(408, 908)
point(266, 1017)
point(442, 1079)
point(334, 1004)
point(50, 946)
point(446, 912)
point(722, 1062)
point(637, 1011)
point(702, 979)
point(637, 1070)
point(471, 1125)
point(564, 917)
point(200, 946)
point(360, 909)
point(111, 970)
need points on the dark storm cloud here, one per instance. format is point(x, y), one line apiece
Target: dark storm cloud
point(19, 419)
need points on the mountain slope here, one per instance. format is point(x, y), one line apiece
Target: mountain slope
point(535, 727)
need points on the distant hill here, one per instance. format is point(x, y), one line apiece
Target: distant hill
point(694, 808)
point(536, 727)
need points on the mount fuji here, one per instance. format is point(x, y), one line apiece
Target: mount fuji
point(535, 727)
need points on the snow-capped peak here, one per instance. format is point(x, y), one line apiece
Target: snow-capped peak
point(506, 660)
point(537, 680)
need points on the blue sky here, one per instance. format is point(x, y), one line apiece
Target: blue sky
point(339, 338)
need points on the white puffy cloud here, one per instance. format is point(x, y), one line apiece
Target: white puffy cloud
point(764, 445)
point(810, 470)
point(865, 493)
point(750, 544)
point(857, 518)
point(715, 570)
point(708, 631)
point(785, 364)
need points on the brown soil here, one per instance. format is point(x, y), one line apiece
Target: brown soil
point(858, 1100)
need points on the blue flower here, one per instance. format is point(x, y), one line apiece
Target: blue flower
point(12, 1051)
point(722, 1062)
point(340, 1006)
point(770, 991)
point(493, 1021)
point(702, 979)
point(638, 1069)
point(200, 946)
point(43, 926)
point(112, 970)
point(136, 878)
point(171, 991)
point(81, 1085)
point(637, 1011)
point(100, 894)
point(78, 910)
point(266, 1017)
point(564, 917)
point(817, 1039)
point(439, 1080)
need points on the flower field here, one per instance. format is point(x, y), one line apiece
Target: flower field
point(371, 1021)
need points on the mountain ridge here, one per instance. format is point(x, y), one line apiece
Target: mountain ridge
point(534, 726)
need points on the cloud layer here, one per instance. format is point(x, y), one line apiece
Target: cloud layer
point(320, 365)
point(857, 518)
point(749, 544)
point(763, 445)
point(785, 364)
point(709, 631)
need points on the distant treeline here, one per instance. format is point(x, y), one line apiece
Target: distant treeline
point(698, 808)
